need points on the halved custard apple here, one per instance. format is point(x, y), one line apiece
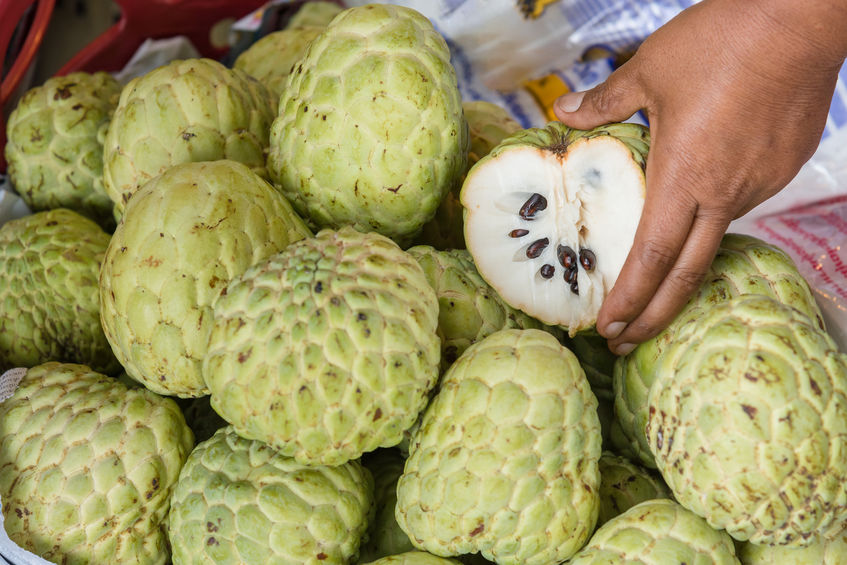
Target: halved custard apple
point(550, 216)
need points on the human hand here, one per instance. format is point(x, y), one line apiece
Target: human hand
point(737, 94)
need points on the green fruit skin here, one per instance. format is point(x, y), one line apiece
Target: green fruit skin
point(55, 144)
point(385, 538)
point(748, 426)
point(413, 558)
point(370, 130)
point(327, 350)
point(240, 501)
point(186, 111)
point(49, 291)
point(623, 485)
point(488, 125)
point(744, 265)
point(184, 235)
point(822, 552)
point(87, 466)
point(657, 532)
point(271, 59)
point(468, 308)
point(505, 460)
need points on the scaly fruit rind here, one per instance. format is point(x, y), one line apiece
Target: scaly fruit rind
point(370, 130)
point(327, 350)
point(87, 466)
point(505, 460)
point(184, 235)
point(747, 427)
point(55, 144)
point(49, 291)
point(241, 501)
point(744, 265)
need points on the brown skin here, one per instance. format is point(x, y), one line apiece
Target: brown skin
point(737, 93)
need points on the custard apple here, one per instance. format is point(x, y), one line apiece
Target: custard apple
point(184, 235)
point(822, 552)
point(550, 216)
point(385, 536)
point(657, 532)
point(49, 294)
point(505, 460)
point(314, 14)
point(326, 350)
point(241, 501)
point(597, 361)
point(623, 485)
point(413, 558)
point(55, 144)
point(744, 265)
point(468, 309)
point(87, 466)
point(186, 111)
point(370, 130)
point(746, 422)
point(272, 58)
point(488, 125)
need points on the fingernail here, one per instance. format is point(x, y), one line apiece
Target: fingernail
point(570, 102)
point(614, 329)
point(624, 349)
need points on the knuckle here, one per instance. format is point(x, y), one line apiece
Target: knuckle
point(657, 255)
point(685, 280)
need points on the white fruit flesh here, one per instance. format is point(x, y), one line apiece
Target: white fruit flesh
point(594, 193)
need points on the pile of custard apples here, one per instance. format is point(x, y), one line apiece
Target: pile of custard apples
point(318, 309)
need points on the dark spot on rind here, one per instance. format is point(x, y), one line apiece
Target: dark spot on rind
point(749, 410)
point(321, 556)
point(319, 287)
point(377, 414)
point(478, 530)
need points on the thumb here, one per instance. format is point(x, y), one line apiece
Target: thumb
point(614, 100)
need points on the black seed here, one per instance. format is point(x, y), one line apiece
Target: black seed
point(587, 259)
point(570, 275)
point(575, 286)
point(547, 271)
point(535, 204)
point(566, 256)
point(537, 247)
point(518, 233)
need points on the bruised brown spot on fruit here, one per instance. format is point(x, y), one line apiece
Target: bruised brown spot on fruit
point(532, 206)
point(319, 287)
point(187, 135)
point(749, 410)
point(245, 355)
point(321, 556)
point(393, 189)
point(64, 92)
point(815, 387)
point(151, 262)
point(518, 232)
point(377, 414)
point(478, 530)
point(211, 528)
point(212, 541)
